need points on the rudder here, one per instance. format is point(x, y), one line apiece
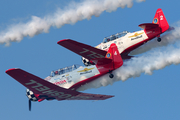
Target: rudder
point(160, 19)
point(113, 54)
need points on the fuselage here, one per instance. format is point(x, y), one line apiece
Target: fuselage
point(74, 76)
point(130, 41)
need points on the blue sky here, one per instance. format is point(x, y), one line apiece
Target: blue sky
point(145, 97)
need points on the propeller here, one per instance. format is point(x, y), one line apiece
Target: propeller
point(31, 97)
point(29, 105)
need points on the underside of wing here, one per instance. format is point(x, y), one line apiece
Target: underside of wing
point(48, 90)
point(81, 49)
point(40, 86)
point(87, 96)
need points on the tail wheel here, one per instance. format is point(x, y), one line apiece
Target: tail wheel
point(159, 39)
point(111, 75)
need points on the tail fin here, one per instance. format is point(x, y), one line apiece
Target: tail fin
point(160, 19)
point(113, 54)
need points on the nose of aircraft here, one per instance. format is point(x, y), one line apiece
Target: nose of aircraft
point(31, 97)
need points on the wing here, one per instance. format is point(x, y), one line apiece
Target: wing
point(81, 49)
point(45, 88)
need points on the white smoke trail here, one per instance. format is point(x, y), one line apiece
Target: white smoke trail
point(140, 0)
point(69, 15)
point(153, 60)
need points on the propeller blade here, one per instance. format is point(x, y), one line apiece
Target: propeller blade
point(29, 105)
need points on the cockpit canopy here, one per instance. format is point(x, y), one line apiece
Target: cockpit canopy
point(115, 36)
point(64, 70)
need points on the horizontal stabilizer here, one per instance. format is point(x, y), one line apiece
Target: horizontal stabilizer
point(148, 26)
point(101, 61)
point(171, 28)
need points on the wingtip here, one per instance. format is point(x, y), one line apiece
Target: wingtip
point(62, 40)
point(10, 69)
point(110, 96)
point(104, 97)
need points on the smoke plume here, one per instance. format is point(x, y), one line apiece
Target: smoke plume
point(165, 54)
point(69, 15)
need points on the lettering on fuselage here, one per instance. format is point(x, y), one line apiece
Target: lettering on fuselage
point(46, 90)
point(136, 37)
point(85, 71)
point(105, 47)
point(60, 82)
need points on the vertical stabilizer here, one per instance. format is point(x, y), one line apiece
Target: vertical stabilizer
point(113, 54)
point(160, 19)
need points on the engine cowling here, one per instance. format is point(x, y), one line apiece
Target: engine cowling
point(31, 95)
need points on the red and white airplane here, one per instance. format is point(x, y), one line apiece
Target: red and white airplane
point(127, 42)
point(63, 83)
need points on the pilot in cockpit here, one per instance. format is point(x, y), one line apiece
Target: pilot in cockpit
point(56, 73)
point(113, 37)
